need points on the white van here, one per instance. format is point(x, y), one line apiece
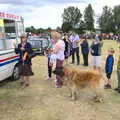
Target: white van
point(8, 60)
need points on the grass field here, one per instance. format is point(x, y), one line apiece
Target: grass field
point(42, 101)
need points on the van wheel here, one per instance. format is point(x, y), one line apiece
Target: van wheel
point(15, 75)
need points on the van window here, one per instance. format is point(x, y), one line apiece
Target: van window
point(2, 45)
point(7, 44)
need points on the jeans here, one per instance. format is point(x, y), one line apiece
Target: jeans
point(75, 51)
point(59, 64)
point(49, 68)
point(85, 59)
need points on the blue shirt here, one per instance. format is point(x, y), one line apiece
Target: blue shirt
point(85, 47)
point(28, 49)
point(109, 64)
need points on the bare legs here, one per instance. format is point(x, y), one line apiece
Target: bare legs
point(24, 81)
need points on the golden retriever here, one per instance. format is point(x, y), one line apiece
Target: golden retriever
point(76, 78)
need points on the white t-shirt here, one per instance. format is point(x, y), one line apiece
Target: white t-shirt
point(60, 53)
point(74, 39)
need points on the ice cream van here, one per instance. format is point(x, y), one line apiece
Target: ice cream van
point(11, 26)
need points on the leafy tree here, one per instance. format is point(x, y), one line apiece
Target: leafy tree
point(71, 15)
point(106, 20)
point(58, 29)
point(28, 29)
point(89, 18)
point(66, 27)
point(116, 19)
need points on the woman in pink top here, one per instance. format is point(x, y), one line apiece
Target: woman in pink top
point(59, 52)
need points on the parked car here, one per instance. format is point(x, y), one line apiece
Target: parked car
point(39, 44)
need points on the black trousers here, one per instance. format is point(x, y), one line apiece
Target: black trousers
point(75, 51)
point(49, 68)
point(85, 59)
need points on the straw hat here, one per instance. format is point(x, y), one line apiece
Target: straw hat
point(23, 35)
point(55, 35)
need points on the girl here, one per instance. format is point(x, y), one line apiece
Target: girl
point(24, 49)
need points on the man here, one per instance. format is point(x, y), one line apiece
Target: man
point(96, 52)
point(74, 38)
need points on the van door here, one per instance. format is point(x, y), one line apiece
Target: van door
point(8, 59)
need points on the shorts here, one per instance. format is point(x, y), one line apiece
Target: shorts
point(96, 61)
point(25, 70)
point(108, 75)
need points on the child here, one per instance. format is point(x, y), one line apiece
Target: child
point(48, 54)
point(51, 59)
point(109, 67)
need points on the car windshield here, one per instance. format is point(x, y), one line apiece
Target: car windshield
point(38, 42)
point(35, 43)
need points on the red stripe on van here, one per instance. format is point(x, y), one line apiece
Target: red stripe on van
point(3, 60)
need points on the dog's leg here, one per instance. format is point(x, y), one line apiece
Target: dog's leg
point(74, 94)
point(70, 91)
point(98, 91)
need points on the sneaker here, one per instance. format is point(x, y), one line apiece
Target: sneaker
point(117, 89)
point(26, 85)
point(58, 86)
point(107, 86)
point(21, 83)
point(49, 78)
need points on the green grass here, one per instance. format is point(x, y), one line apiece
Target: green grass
point(42, 101)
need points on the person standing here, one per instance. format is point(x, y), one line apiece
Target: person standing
point(24, 49)
point(118, 74)
point(109, 67)
point(96, 53)
point(51, 60)
point(85, 51)
point(59, 52)
point(74, 38)
point(65, 39)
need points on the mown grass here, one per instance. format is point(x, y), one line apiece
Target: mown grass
point(42, 101)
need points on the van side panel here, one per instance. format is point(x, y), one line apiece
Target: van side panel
point(8, 60)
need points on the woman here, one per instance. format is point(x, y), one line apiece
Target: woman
point(59, 52)
point(24, 49)
point(85, 51)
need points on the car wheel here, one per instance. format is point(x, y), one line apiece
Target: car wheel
point(15, 75)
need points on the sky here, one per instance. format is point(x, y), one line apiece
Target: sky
point(47, 13)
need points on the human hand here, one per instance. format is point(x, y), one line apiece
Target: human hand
point(22, 48)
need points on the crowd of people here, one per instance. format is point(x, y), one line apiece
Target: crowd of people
point(58, 53)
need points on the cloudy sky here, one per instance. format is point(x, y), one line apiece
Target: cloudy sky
point(47, 13)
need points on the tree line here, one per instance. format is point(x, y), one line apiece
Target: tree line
point(74, 20)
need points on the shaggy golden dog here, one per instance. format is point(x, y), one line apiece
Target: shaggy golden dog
point(76, 78)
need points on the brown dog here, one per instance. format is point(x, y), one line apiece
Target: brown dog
point(76, 78)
